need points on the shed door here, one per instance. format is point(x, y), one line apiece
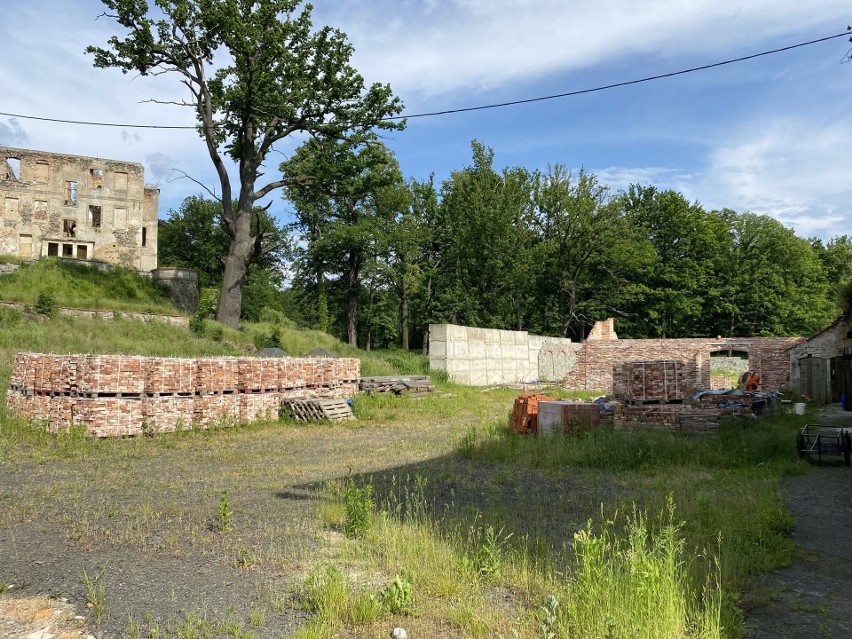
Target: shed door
point(843, 376)
point(815, 381)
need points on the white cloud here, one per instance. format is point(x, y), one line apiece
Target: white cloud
point(13, 134)
point(795, 168)
point(428, 49)
point(158, 166)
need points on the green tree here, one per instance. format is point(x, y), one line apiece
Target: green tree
point(687, 243)
point(345, 211)
point(256, 72)
point(485, 245)
point(195, 237)
point(576, 221)
point(836, 258)
point(425, 227)
point(775, 283)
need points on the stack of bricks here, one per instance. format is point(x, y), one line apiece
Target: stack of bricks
point(720, 382)
point(652, 381)
point(656, 396)
point(671, 418)
point(116, 395)
point(525, 413)
point(170, 376)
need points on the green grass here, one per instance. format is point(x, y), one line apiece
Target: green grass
point(299, 341)
point(81, 286)
point(493, 531)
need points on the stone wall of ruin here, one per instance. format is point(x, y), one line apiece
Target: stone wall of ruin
point(113, 214)
point(116, 395)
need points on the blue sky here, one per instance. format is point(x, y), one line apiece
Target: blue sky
point(770, 135)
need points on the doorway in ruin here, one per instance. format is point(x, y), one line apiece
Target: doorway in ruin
point(815, 379)
point(726, 368)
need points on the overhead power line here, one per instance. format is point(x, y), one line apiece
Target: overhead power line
point(616, 85)
point(481, 107)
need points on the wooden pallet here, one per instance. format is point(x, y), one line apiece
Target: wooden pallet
point(397, 384)
point(307, 410)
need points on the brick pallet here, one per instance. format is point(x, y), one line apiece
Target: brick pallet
point(113, 395)
point(170, 376)
point(673, 418)
point(562, 416)
point(660, 381)
point(525, 413)
point(168, 414)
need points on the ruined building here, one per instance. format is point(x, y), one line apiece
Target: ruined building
point(77, 207)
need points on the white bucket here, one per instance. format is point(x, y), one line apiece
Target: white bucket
point(799, 409)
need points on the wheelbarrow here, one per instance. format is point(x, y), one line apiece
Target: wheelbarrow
point(818, 440)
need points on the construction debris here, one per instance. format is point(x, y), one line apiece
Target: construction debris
point(307, 410)
point(525, 413)
point(412, 385)
point(562, 416)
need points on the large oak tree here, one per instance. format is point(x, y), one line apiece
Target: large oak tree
point(256, 72)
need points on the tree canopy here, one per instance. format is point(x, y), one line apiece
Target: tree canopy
point(255, 73)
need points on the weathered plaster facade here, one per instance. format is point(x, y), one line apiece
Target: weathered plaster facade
point(79, 207)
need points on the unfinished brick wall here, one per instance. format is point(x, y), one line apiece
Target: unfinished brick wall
point(115, 395)
point(597, 358)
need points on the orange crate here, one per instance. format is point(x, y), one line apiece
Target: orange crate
point(525, 413)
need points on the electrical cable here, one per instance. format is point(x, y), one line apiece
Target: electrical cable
point(482, 107)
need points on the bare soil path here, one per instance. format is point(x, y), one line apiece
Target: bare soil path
point(139, 518)
point(813, 597)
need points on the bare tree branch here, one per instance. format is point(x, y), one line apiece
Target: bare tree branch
point(201, 184)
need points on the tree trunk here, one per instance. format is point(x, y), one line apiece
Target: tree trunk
point(427, 314)
point(403, 315)
point(352, 294)
point(234, 277)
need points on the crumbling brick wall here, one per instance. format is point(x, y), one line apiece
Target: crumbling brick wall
point(596, 358)
point(115, 395)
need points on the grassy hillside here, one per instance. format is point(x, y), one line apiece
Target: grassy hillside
point(81, 286)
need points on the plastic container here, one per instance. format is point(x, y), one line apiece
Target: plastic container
point(799, 409)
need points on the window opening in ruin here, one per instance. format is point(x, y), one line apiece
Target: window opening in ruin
point(120, 181)
point(96, 178)
point(67, 250)
point(82, 252)
point(11, 207)
point(730, 364)
point(52, 249)
point(69, 228)
point(42, 171)
point(25, 245)
point(95, 216)
point(70, 193)
point(13, 168)
point(144, 236)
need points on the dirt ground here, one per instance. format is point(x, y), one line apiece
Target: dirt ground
point(813, 597)
point(141, 521)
